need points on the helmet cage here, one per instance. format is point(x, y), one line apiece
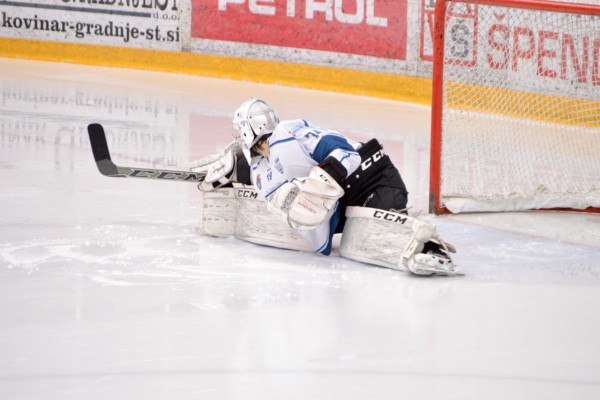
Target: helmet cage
point(253, 120)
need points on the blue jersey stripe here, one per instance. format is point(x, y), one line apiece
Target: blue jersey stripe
point(274, 190)
point(346, 156)
point(329, 143)
point(281, 141)
point(333, 222)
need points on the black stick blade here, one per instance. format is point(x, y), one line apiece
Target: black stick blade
point(98, 141)
point(100, 150)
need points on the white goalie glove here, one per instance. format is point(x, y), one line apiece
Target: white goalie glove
point(305, 202)
point(220, 168)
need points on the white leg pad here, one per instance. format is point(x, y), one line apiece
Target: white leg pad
point(219, 210)
point(239, 212)
point(392, 240)
point(256, 224)
point(376, 236)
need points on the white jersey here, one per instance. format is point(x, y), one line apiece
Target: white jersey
point(294, 148)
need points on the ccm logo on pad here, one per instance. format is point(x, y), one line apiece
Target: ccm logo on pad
point(389, 216)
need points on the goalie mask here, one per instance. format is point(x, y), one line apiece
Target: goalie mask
point(253, 120)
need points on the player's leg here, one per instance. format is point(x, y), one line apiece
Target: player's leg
point(379, 185)
point(239, 212)
point(219, 212)
point(394, 240)
point(387, 198)
point(321, 238)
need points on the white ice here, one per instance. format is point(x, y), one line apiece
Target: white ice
point(108, 290)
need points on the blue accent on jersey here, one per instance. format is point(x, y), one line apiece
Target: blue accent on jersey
point(274, 190)
point(335, 218)
point(329, 143)
point(343, 158)
point(281, 141)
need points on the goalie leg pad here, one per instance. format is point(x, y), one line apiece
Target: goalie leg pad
point(375, 236)
point(239, 212)
point(393, 240)
point(256, 224)
point(219, 211)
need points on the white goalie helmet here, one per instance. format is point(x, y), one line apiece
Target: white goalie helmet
point(252, 120)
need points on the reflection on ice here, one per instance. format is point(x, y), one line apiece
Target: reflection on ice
point(57, 111)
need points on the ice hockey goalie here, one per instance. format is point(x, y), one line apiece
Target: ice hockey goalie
point(293, 185)
point(374, 236)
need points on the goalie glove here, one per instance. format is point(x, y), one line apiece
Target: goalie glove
point(305, 202)
point(220, 168)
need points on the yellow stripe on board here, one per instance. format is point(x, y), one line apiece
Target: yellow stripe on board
point(523, 105)
point(374, 84)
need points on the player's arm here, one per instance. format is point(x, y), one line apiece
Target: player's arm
point(336, 156)
point(305, 201)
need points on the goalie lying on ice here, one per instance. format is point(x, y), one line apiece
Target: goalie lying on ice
point(315, 183)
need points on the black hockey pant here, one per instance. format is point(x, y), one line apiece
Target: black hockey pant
point(376, 183)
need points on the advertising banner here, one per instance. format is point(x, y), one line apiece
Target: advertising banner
point(152, 24)
point(554, 53)
point(376, 28)
point(463, 31)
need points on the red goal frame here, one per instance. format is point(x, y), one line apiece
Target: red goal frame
point(435, 205)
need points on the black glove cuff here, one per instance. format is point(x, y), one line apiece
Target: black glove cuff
point(335, 169)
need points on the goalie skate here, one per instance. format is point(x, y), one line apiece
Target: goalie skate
point(434, 262)
point(443, 244)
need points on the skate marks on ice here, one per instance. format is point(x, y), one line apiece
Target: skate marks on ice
point(165, 254)
point(117, 254)
point(158, 253)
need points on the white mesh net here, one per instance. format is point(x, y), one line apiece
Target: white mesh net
point(521, 109)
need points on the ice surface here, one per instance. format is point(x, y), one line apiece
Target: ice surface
point(107, 290)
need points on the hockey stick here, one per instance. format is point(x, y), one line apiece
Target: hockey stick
point(108, 168)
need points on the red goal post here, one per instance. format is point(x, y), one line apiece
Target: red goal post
point(516, 106)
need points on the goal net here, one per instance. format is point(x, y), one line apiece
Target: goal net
point(516, 106)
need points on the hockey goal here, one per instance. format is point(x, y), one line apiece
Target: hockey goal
point(516, 106)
